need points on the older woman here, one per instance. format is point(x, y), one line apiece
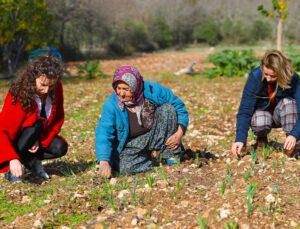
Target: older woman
point(271, 98)
point(139, 117)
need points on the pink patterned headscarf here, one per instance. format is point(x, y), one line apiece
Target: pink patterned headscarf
point(131, 76)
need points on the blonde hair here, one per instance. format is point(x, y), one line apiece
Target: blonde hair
point(281, 65)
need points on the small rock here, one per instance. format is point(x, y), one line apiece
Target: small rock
point(184, 203)
point(270, 198)
point(130, 179)
point(224, 213)
point(244, 226)
point(141, 212)
point(154, 219)
point(152, 225)
point(294, 224)
point(162, 184)
point(113, 181)
point(228, 160)
point(240, 162)
point(193, 166)
point(134, 221)
point(77, 195)
point(25, 200)
point(47, 201)
point(38, 224)
point(185, 170)
point(101, 218)
point(122, 193)
point(64, 227)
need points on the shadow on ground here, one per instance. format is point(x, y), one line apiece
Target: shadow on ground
point(62, 169)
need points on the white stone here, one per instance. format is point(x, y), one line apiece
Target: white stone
point(294, 224)
point(122, 193)
point(245, 226)
point(47, 201)
point(38, 224)
point(134, 221)
point(270, 198)
point(77, 195)
point(228, 160)
point(113, 181)
point(185, 170)
point(141, 212)
point(240, 162)
point(224, 213)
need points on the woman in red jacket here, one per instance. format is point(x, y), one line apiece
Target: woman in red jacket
point(31, 118)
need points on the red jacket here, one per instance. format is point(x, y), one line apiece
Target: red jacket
point(13, 119)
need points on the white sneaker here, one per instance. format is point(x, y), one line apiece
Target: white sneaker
point(37, 168)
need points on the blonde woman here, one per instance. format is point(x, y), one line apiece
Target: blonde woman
point(271, 99)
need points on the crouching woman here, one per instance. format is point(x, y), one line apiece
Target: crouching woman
point(139, 117)
point(31, 118)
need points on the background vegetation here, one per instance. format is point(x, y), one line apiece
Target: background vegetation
point(102, 28)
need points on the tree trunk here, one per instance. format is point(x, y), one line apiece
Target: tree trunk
point(279, 34)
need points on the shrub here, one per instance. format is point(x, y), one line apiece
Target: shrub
point(139, 36)
point(208, 31)
point(90, 70)
point(261, 30)
point(231, 63)
point(236, 31)
point(161, 33)
point(295, 57)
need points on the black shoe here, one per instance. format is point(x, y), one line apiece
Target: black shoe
point(37, 168)
point(8, 176)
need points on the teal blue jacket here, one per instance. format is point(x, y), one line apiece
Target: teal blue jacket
point(112, 132)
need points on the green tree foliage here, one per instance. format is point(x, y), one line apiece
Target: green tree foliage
point(129, 37)
point(161, 32)
point(261, 30)
point(24, 24)
point(208, 31)
point(279, 11)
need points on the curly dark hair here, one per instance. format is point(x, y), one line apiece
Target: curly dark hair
point(24, 87)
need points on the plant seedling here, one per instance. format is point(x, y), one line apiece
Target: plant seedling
point(180, 185)
point(231, 225)
point(251, 135)
point(201, 222)
point(247, 175)
point(150, 179)
point(222, 188)
point(133, 193)
point(197, 159)
point(253, 156)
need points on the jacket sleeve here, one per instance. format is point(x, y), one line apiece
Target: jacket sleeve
point(105, 134)
point(246, 108)
point(54, 128)
point(11, 119)
point(296, 94)
point(165, 95)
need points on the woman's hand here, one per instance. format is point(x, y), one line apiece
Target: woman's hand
point(175, 140)
point(35, 147)
point(289, 145)
point(236, 148)
point(16, 168)
point(104, 169)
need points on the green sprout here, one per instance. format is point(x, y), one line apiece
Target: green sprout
point(150, 179)
point(197, 159)
point(180, 185)
point(247, 175)
point(201, 222)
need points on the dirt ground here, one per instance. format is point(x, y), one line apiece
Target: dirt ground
point(208, 187)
